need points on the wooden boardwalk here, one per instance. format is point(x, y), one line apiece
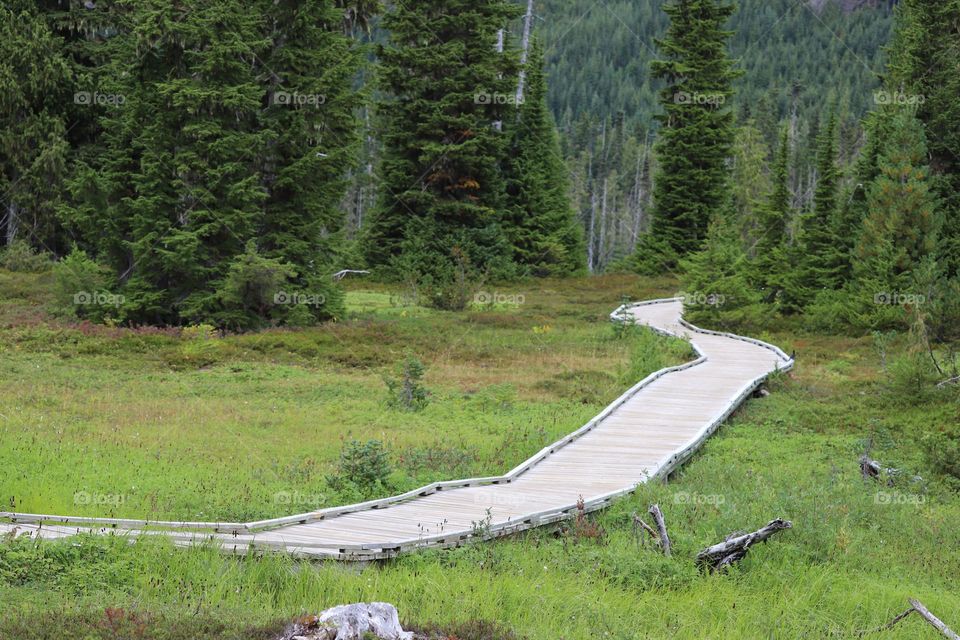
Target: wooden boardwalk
point(644, 434)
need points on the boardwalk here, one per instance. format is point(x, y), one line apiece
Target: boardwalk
point(644, 434)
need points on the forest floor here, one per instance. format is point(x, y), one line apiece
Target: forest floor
point(146, 423)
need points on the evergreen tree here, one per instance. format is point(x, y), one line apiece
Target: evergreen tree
point(542, 229)
point(750, 183)
point(229, 112)
point(311, 132)
point(923, 71)
point(697, 131)
point(901, 231)
point(442, 181)
point(820, 269)
point(770, 244)
point(716, 286)
point(33, 147)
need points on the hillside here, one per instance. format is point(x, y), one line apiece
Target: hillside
point(598, 54)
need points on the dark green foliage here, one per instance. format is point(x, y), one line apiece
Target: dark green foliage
point(406, 391)
point(717, 290)
point(80, 288)
point(599, 63)
point(822, 264)
point(942, 447)
point(226, 108)
point(770, 246)
point(694, 142)
point(33, 149)
point(20, 256)
point(545, 235)
point(923, 71)
point(441, 170)
point(363, 466)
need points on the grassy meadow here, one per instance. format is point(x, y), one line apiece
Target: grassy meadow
point(150, 423)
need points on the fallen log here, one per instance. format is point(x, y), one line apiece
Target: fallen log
point(735, 548)
point(661, 528)
point(917, 607)
point(872, 469)
point(340, 275)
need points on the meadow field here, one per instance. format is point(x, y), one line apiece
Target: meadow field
point(149, 423)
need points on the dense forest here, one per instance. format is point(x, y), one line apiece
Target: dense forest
point(194, 161)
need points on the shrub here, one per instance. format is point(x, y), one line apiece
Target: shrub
point(363, 465)
point(942, 449)
point(80, 288)
point(406, 391)
point(20, 256)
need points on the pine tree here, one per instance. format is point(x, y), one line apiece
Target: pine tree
point(716, 285)
point(697, 129)
point(774, 217)
point(311, 132)
point(236, 125)
point(542, 229)
point(442, 186)
point(33, 147)
point(923, 71)
point(895, 257)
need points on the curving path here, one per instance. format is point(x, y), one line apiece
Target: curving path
point(644, 434)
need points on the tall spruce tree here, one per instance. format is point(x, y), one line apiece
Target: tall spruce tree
point(311, 132)
point(898, 245)
point(446, 84)
point(923, 71)
point(34, 88)
point(229, 112)
point(697, 126)
point(773, 220)
point(543, 230)
point(823, 259)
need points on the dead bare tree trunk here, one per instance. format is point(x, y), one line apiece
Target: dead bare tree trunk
point(524, 51)
point(917, 607)
point(735, 548)
point(661, 528)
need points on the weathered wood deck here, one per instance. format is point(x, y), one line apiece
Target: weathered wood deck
point(644, 434)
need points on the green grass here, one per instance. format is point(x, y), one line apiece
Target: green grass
point(856, 552)
point(147, 424)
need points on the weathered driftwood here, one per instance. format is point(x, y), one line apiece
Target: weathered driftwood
point(953, 380)
point(735, 548)
point(638, 523)
point(870, 468)
point(661, 528)
point(340, 275)
point(917, 607)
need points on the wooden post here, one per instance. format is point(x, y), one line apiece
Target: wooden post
point(661, 528)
